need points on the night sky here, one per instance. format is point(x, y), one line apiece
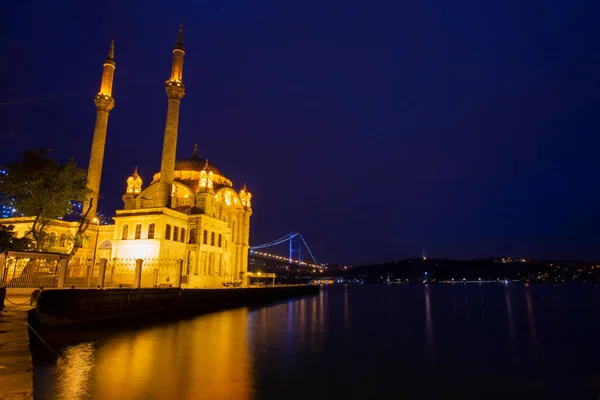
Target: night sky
point(377, 129)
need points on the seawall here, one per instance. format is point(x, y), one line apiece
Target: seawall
point(58, 308)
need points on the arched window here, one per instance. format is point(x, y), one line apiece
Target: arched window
point(175, 233)
point(212, 238)
point(205, 238)
point(182, 236)
point(220, 238)
point(63, 240)
point(125, 232)
point(138, 231)
point(168, 232)
point(151, 229)
point(51, 239)
point(192, 238)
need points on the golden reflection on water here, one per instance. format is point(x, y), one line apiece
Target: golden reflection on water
point(73, 371)
point(163, 363)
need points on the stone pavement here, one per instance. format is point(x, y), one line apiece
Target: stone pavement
point(16, 368)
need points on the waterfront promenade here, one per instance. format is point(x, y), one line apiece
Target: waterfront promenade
point(16, 369)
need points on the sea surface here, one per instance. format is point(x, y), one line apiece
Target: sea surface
point(459, 341)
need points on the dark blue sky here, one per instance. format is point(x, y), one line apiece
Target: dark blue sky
point(468, 128)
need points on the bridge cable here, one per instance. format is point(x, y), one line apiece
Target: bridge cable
point(308, 248)
point(275, 242)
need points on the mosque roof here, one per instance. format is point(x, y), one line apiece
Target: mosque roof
point(196, 164)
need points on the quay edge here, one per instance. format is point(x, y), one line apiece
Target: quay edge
point(58, 308)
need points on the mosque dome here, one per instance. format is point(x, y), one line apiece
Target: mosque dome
point(196, 164)
point(189, 171)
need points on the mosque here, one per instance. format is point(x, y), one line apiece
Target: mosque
point(189, 211)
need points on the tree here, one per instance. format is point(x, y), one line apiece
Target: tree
point(8, 241)
point(42, 188)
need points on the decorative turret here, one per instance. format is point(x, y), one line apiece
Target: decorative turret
point(206, 177)
point(246, 197)
point(134, 183)
point(104, 103)
point(175, 92)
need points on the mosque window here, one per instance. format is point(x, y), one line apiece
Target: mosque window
point(192, 238)
point(168, 232)
point(205, 239)
point(220, 238)
point(175, 233)
point(125, 232)
point(151, 229)
point(138, 231)
point(212, 238)
point(182, 236)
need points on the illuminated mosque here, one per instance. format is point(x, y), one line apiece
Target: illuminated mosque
point(189, 211)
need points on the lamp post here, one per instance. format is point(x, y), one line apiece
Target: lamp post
point(97, 222)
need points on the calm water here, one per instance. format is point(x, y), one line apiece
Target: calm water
point(351, 342)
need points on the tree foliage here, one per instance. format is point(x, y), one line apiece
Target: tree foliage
point(8, 241)
point(42, 188)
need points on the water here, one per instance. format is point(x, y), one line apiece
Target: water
point(351, 342)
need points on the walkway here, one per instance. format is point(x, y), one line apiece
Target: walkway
point(16, 369)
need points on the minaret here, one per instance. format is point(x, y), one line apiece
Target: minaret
point(175, 92)
point(104, 103)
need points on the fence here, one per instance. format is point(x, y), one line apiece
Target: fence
point(48, 270)
point(154, 272)
point(29, 269)
point(78, 274)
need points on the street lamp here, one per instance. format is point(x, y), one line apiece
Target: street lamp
point(97, 222)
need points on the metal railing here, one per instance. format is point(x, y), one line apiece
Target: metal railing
point(50, 270)
point(120, 273)
point(29, 269)
point(77, 274)
point(159, 272)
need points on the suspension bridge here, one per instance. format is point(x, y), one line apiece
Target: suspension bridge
point(299, 253)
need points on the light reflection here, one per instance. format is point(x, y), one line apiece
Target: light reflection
point(429, 327)
point(531, 319)
point(314, 318)
point(158, 363)
point(346, 312)
point(511, 322)
point(322, 300)
point(73, 371)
